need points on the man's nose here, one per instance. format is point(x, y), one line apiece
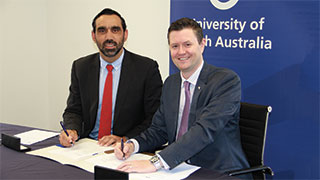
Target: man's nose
point(108, 35)
point(181, 50)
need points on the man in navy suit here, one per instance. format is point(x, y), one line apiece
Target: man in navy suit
point(212, 138)
point(136, 86)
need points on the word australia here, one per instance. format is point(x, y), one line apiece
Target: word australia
point(256, 43)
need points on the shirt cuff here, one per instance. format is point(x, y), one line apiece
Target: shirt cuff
point(136, 145)
point(136, 149)
point(164, 164)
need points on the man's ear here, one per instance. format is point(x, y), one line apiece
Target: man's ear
point(126, 35)
point(203, 44)
point(93, 36)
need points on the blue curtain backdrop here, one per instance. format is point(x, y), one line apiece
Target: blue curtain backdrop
point(274, 47)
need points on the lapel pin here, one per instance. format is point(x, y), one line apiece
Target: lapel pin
point(199, 87)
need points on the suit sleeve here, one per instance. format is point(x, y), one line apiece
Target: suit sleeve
point(156, 135)
point(72, 115)
point(219, 105)
point(152, 93)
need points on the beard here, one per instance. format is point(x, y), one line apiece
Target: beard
point(111, 52)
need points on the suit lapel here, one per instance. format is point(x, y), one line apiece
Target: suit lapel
point(175, 99)
point(124, 83)
point(201, 83)
point(93, 78)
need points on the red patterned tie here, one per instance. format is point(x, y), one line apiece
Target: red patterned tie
point(106, 107)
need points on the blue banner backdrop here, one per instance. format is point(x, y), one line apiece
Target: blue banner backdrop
point(274, 47)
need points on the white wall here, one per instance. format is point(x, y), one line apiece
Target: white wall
point(39, 40)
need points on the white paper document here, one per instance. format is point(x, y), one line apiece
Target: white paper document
point(110, 161)
point(83, 149)
point(34, 136)
point(86, 153)
point(180, 172)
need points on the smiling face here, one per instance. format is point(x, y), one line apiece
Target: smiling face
point(186, 52)
point(109, 37)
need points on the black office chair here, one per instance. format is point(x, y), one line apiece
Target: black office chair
point(253, 128)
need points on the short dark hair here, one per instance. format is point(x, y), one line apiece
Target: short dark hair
point(108, 11)
point(183, 23)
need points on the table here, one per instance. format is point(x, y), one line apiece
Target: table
point(18, 165)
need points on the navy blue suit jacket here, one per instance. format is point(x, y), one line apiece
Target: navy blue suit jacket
point(213, 137)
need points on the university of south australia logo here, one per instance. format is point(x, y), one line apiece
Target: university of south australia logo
point(223, 5)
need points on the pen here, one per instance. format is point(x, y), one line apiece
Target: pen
point(122, 145)
point(64, 129)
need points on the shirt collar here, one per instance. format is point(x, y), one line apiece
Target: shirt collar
point(116, 64)
point(194, 77)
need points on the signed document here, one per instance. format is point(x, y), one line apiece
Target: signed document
point(86, 153)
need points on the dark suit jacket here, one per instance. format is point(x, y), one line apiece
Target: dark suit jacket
point(213, 137)
point(137, 99)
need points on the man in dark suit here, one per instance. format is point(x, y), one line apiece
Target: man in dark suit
point(135, 80)
point(212, 138)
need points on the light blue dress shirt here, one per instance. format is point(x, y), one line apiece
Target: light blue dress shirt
point(115, 83)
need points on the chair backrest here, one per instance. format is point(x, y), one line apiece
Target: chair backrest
point(253, 127)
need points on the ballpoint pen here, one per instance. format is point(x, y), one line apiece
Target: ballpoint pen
point(64, 129)
point(122, 146)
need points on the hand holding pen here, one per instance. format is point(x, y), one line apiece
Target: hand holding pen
point(67, 137)
point(123, 150)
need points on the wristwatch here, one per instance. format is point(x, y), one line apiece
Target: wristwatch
point(155, 160)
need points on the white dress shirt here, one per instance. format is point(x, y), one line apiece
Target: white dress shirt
point(193, 81)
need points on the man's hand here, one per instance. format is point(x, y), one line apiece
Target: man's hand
point(141, 166)
point(68, 141)
point(124, 153)
point(109, 140)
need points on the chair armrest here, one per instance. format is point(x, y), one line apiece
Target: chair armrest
point(264, 169)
